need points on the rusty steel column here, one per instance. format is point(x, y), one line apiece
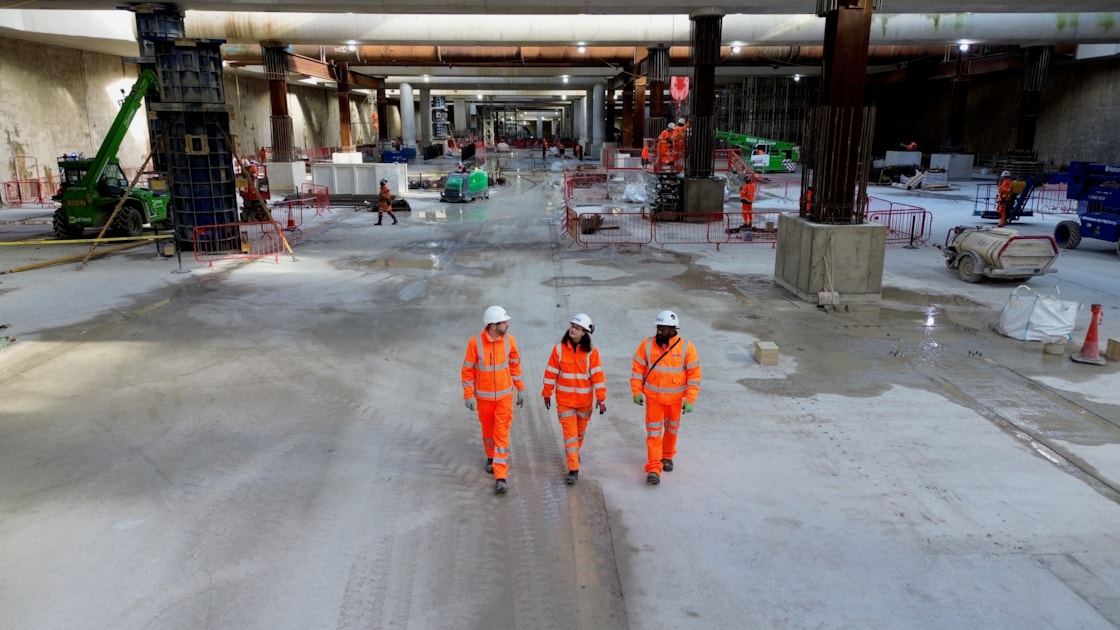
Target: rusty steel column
point(958, 105)
point(383, 115)
point(707, 25)
point(1036, 62)
point(838, 134)
point(343, 92)
point(276, 71)
point(639, 113)
point(627, 139)
point(657, 71)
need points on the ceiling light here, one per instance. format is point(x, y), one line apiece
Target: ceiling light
point(480, 97)
point(427, 79)
point(797, 77)
point(582, 48)
point(963, 47)
point(735, 50)
point(565, 78)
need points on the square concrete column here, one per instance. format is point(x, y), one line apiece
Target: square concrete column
point(809, 254)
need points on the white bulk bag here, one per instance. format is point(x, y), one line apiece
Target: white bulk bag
point(1031, 316)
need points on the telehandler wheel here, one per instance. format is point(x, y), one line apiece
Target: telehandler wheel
point(968, 267)
point(62, 228)
point(130, 221)
point(1067, 234)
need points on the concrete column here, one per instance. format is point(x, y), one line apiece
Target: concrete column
point(342, 92)
point(597, 121)
point(408, 117)
point(540, 126)
point(425, 117)
point(276, 70)
point(707, 26)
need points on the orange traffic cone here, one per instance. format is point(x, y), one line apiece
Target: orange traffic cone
point(291, 221)
point(1090, 350)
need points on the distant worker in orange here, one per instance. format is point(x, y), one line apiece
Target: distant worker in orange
point(665, 145)
point(665, 377)
point(491, 378)
point(645, 153)
point(909, 146)
point(385, 203)
point(1003, 199)
point(808, 201)
point(746, 197)
point(575, 372)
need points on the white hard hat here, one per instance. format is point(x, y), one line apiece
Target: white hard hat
point(668, 318)
point(495, 315)
point(384, 181)
point(1005, 174)
point(584, 322)
point(672, 126)
point(680, 121)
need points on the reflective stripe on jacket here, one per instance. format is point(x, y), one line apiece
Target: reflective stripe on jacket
point(491, 369)
point(676, 376)
point(577, 377)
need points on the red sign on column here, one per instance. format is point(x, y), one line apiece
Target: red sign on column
point(678, 88)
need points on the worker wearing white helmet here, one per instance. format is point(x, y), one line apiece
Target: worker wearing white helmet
point(575, 372)
point(385, 203)
point(680, 137)
point(1003, 197)
point(491, 378)
point(665, 377)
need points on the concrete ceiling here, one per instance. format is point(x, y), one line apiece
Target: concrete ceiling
point(525, 49)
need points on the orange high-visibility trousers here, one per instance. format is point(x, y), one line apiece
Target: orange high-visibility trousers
point(495, 418)
point(662, 423)
point(748, 214)
point(573, 423)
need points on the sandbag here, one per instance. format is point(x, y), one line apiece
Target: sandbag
point(1032, 316)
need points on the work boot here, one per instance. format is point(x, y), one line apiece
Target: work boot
point(378, 222)
point(653, 479)
point(573, 475)
point(489, 464)
point(667, 465)
point(394, 220)
point(500, 486)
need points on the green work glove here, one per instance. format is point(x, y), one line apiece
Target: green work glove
point(687, 407)
point(639, 399)
point(470, 403)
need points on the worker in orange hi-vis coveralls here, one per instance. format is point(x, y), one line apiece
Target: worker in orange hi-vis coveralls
point(1003, 198)
point(746, 197)
point(665, 145)
point(575, 372)
point(665, 376)
point(491, 378)
point(680, 138)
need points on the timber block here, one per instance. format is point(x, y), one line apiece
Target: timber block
point(766, 352)
point(1112, 349)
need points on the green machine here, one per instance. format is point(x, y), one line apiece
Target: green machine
point(466, 186)
point(766, 156)
point(92, 188)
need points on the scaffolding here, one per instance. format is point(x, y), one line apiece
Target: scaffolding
point(766, 107)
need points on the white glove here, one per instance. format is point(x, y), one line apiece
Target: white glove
point(470, 403)
point(520, 400)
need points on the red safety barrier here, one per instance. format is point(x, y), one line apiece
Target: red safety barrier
point(320, 193)
point(905, 223)
point(668, 228)
point(1044, 199)
point(231, 241)
point(21, 192)
point(289, 213)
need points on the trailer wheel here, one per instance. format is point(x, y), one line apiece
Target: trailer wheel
point(968, 267)
point(1067, 234)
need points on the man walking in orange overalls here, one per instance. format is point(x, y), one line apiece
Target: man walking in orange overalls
point(1003, 198)
point(385, 203)
point(491, 377)
point(746, 197)
point(665, 376)
point(576, 373)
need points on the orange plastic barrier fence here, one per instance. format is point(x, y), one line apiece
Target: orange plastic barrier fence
point(320, 193)
point(905, 223)
point(19, 192)
point(231, 241)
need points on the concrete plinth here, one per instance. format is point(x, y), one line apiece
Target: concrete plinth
point(286, 177)
point(703, 195)
point(854, 255)
point(361, 179)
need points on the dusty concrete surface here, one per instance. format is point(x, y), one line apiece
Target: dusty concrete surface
point(282, 443)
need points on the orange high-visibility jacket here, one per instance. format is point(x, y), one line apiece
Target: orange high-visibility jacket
point(674, 377)
point(680, 134)
point(746, 193)
point(1005, 186)
point(491, 369)
point(576, 375)
point(384, 198)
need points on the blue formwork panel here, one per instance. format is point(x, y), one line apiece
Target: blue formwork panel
point(200, 171)
point(190, 71)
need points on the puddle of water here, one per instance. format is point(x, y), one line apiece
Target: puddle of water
point(430, 262)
